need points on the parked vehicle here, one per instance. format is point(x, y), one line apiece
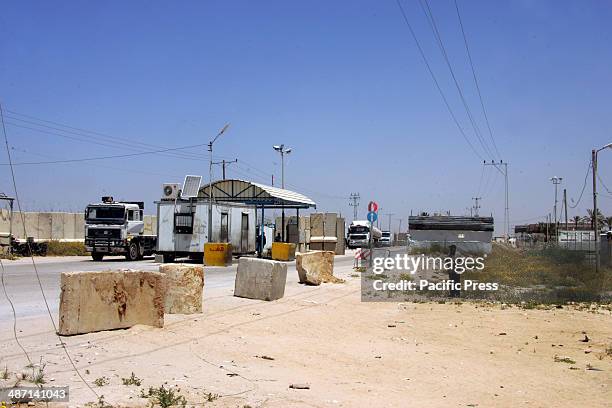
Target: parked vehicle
point(117, 228)
point(359, 234)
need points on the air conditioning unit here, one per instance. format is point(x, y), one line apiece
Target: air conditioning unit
point(170, 191)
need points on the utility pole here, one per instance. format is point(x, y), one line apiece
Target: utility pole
point(499, 165)
point(565, 205)
point(595, 220)
point(354, 203)
point(476, 206)
point(556, 181)
point(224, 163)
point(283, 151)
point(390, 214)
point(210, 192)
point(595, 216)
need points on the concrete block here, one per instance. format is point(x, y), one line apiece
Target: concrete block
point(329, 226)
point(316, 224)
point(323, 243)
point(260, 279)
point(94, 301)
point(184, 284)
point(316, 267)
point(340, 234)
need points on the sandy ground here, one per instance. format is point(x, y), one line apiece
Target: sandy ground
point(351, 354)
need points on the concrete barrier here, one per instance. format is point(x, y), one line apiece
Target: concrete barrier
point(217, 254)
point(283, 251)
point(260, 279)
point(94, 301)
point(56, 225)
point(316, 267)
point(184, 284)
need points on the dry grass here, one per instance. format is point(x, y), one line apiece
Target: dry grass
point(57, 248)
point(551, 267)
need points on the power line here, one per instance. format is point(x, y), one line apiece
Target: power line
point(91, 133)
point(433, 77)
point(118, 156)
point(434, 27)
point(94, 165)
point(14, 312)
point(469, 54)
point(88, 139)
point(586, 176)
point(603, 184)
point(8, 152)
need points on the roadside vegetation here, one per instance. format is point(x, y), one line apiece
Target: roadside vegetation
point(57, 248)
point(570, 274)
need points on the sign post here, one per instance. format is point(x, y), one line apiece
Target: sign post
point(372, 217)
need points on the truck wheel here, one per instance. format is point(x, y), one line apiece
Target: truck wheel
point(132, 252)
point(96, 256)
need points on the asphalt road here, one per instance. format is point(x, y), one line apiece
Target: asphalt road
point(25, 293)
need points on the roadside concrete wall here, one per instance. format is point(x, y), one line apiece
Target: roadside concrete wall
point(56, 225)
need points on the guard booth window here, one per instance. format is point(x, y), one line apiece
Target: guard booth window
point(183, 223)
point(224, 232)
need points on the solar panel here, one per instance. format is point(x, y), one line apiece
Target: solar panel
point(191, 186)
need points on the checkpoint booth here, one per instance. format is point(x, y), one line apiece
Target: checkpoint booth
point(262, 197)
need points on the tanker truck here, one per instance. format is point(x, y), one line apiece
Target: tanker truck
point(359, 235)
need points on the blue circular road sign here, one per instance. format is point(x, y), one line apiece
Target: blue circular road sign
point(372, 216)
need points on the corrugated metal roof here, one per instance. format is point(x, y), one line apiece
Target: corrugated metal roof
point(286, 195)
point(248, 192)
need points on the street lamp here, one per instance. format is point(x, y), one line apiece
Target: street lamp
point(595, 220)
point(283, 151)
point(210, 193)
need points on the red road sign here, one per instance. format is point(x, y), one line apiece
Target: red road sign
point(372, 206)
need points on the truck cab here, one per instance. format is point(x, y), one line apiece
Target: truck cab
point(117, 228)
point(385, 239)
point(359, 235)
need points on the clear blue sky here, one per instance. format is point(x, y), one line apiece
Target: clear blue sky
point(340, 82)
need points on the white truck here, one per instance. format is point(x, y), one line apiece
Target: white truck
point(117, 228)
point(385, 239)
point(359, 234)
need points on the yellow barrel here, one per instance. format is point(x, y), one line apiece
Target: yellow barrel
point(217, 254)
point(283, 251)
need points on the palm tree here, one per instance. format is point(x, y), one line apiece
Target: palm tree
point(591, 218)
point(576, 220)
point(608, 222)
